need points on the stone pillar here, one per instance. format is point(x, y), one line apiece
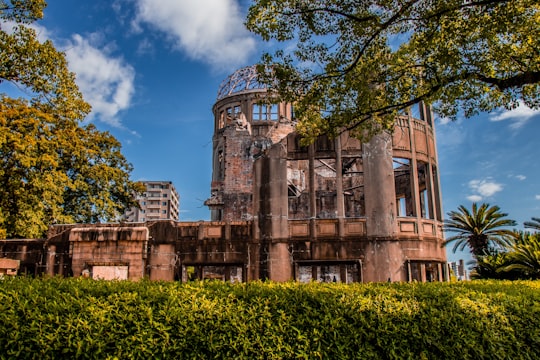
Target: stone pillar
point(312, 192)
point(273, 215)
point(162, 262)
point(384, 261)
point(380, 197)
point(415, 191)
point(383, 255)
point(340, 199)
point(51, 255)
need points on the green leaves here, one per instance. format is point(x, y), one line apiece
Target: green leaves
point(34, 65)
point(361, 62)
point(479, 229)
point(81, 318)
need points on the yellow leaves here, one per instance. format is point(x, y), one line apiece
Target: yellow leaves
point(54, 170)
point(24, 11)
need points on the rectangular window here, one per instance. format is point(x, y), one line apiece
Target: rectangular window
point(402, 206)
point(237, 110)
point(164, 195)
point(403, 186)
point(265, 112)
point(163, 203)
point(257, 112)
point(274, 113)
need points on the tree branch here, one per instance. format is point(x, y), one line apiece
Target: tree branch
point(331, 11)
point(525, 78)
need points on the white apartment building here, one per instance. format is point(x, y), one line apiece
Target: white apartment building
point(160, 201)
point(459, 269)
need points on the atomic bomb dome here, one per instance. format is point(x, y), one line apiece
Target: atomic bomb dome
point(335, 210)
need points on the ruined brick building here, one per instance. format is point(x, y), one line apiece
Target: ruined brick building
point(336, 210)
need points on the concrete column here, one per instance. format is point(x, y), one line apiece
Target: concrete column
point(380, 194)
point(383, 255)
point(384, 261)
point(51, 254)
point(280, 265)
point(312, 192)
point(415, 191)
point(340, 199)
point(162, 262)
point(271, 172)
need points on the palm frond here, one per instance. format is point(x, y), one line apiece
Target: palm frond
point(533, 224)
point(478, 228)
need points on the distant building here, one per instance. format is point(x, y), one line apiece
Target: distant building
point(160, 201)
point(459, 269)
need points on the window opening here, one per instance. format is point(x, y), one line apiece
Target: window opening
point(424, 189)
point(265, 112)
point(403, 187)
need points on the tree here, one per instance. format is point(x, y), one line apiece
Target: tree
point(534, 224)
point(98, 174)
point(479, 229)
point(52, 169)
point(357, 64)
point(35, 66)
point(491, 267)
point(55, 171)
point(524, 255)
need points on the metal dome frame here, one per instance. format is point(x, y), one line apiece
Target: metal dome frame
point(241, 80)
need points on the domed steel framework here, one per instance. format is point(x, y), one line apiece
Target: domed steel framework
point(244, 79)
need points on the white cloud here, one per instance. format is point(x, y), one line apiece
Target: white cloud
point(443, 120)
point(206, 30)
point(519, 177)
point(106, 82)
point(537, 197)
point(519, 116)
point(474, 198)
point(483, 188)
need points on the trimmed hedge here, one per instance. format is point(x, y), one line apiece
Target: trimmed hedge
point(78, 318)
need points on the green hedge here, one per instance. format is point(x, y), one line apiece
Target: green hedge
point(76, 318)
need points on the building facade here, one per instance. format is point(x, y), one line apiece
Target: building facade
point(337, 210)
point(160, 201)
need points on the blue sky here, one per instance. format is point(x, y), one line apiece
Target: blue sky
point(151, 70)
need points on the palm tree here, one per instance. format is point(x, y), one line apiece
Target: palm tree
point(533, 224)
point(491, 266)
point(479, 229)
point(524, 255)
